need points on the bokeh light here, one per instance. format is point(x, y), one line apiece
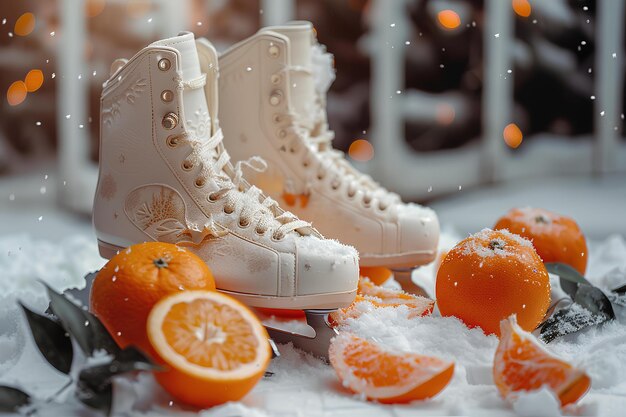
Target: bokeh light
point(33, 80)
point(361, 150)
point(512, 135)
point(24, 24)
point(445, 114)
point(522, 7)
point(449, 19)
point(16, 93)
point(94, 7)
point(138, 8)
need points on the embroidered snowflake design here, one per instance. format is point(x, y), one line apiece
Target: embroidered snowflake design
point(112, 111)
point(201, 127)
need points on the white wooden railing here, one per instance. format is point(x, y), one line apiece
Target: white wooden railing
point(412, 174)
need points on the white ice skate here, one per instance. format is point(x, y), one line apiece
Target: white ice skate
point(272, 104)
point(165, 176)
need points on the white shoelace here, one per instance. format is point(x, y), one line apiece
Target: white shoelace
point(238, 194)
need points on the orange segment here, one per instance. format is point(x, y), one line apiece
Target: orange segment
point(389, 377)
point(215, 348)
point(522, 364)
point(370, 295)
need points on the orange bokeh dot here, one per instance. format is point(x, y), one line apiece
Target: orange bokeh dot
point(94, 7)
point(521, 7)
point(34, 80)
point(24, 24)
point(512, 135)
point(445, 114)
point(361, 150)
point(449, 19)
point(16, 93)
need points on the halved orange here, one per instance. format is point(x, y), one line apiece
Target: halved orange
point(386, 376)
point(370, 295)
point(214, 347)
point(522, 364)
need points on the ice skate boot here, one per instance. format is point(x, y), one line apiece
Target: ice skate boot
point(272, 100)
point(165, 176)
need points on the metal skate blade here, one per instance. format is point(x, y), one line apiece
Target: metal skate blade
point(316, 344)
point(403, 277)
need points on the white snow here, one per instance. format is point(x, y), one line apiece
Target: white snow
point(301, 384)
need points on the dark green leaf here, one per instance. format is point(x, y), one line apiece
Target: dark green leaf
point(51, 339)
point(569, 320)
point(620, 290)
point(594, 300)
point(72, 317)
point(569, 277)
point(12, 399)
point(94, 383)
point(98, 397)
point(101, 337)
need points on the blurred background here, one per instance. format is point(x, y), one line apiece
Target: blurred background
point(470, 106)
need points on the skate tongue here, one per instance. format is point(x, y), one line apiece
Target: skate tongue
point(194, 101)
point(302, 88)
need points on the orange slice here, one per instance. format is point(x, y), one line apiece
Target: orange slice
point(522, 364)
point(370, 295)
point(215, 349)
point(388, 377)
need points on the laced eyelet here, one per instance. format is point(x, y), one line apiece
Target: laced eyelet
point(199, 183)
point(259, 232)
point(172, 141)
point(228, 210)
point(211, 198)
point(243, 224)
point(367, 203)
point(320, 177)
point(382, 207)
point(276, 118)
point(334, 186)
point(292, 150)
point(351, 194)
point(187, 165)
point(277, 238)
point(306, 163)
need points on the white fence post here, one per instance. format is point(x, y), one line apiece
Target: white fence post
point(609, 79)
point(387, 55)
point(76, 182)
point(277, 12)
point(497, 85)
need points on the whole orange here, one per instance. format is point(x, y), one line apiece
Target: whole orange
point(377, 274)
point(491, 275)
point(134, 280)
point(556, 238)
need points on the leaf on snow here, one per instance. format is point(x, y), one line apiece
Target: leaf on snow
point(12, 399)
point(569, 320)
point(620, 290)
point(52, 340)
point(594, 300)
point(569, 277)
point(89, 332)
point(94, 387)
